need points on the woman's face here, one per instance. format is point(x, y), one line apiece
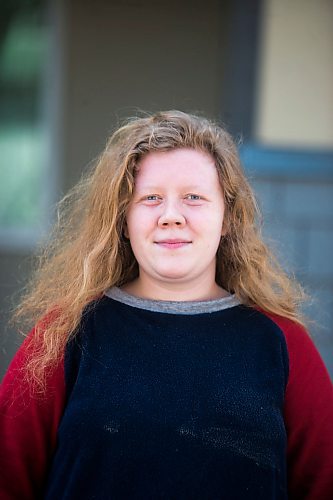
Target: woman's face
point(175, 218)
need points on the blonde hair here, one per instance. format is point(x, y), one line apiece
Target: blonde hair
point(88, 252)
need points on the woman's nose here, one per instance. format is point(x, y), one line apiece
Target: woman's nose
point(171, 216)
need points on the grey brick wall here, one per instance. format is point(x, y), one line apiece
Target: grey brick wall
point(298, 225)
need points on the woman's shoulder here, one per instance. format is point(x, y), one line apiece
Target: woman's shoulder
point(304, 356)
point(292, 330)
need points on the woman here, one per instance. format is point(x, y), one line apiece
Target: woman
point(169, 358)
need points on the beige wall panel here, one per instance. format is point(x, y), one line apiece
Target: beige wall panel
point(295, 80)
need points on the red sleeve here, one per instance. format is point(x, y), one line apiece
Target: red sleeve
point(28, 426)
point(308, 417)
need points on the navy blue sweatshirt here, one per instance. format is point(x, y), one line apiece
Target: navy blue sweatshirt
point(172, 401)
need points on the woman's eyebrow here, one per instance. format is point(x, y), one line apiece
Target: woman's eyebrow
point(149, 188)
point(158, 188)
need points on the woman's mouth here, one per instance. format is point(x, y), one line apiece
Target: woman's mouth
point(173, 244)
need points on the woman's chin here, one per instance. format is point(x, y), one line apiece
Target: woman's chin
point(174, 275)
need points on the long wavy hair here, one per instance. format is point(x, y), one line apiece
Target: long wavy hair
point(88, 252)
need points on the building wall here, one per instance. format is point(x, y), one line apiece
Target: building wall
point(294, 115)
point(110, 59)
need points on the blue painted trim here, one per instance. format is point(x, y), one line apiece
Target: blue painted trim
point(287, 163)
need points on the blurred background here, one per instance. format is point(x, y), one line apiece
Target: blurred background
point(70, 70)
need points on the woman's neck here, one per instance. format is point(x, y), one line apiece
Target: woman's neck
point(175, 292)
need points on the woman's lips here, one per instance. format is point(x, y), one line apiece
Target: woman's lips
point(173, 244)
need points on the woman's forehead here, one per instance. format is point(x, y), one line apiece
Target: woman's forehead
point(177, 164)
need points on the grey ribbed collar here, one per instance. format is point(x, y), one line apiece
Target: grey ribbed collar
point(173, 306)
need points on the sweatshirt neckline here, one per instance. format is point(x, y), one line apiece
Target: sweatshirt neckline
point(172, 306)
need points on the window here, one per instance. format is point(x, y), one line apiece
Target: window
point(23, 128)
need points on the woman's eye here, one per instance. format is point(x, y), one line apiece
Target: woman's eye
point(193, 197)
point(152, 197)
